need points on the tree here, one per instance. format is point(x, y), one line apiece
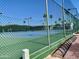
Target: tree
point(24, 21)
point(44, 16)
point(28, 19)
point(55, 22)
point(51, 16)
point(59, 20)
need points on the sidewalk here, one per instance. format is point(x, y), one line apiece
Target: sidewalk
point(73, 52)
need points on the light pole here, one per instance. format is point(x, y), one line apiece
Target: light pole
point(63, 18)
point(28, 19)
point(2, 25)
point(47, 25)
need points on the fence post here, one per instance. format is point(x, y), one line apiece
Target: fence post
point(26, 54)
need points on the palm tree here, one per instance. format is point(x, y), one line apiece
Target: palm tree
point(55, 22)
point(28, 19)
point(1, 13)
point(59, 20)
point(50, 16)
point(44, 16)
point(24, 21)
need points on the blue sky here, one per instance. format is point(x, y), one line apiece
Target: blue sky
point(20, 9)
point(76, 4)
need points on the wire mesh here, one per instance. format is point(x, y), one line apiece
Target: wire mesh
point(31, 30)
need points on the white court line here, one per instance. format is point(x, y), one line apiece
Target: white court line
point(44, 52)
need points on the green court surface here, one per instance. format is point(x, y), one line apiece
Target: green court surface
point(11, 48)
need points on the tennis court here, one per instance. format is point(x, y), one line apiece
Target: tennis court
point(38, 25)
point(12, 46)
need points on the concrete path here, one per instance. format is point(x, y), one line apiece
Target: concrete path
point(73, 52)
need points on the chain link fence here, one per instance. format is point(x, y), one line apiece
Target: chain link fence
point(42, 31)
